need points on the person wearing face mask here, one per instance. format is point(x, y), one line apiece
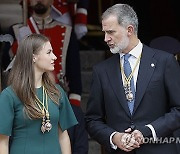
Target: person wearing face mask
point(35, 112)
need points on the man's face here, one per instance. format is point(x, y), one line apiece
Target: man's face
point(40, 6)
point(116, 36)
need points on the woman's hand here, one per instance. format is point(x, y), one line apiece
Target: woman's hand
point(4, 144)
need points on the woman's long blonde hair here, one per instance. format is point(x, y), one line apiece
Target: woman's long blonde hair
point(22, 77)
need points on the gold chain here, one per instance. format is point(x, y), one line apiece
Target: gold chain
point(46, 125)
point(41, 104)
point(128, 79)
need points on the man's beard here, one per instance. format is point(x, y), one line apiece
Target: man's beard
point(121, 45)
point(39, 8)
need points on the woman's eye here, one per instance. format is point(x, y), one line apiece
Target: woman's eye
point(49, 51)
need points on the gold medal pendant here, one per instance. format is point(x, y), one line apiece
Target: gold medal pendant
point(129, 96)
point(48, 125)
point(128, 93)
point(43, 129)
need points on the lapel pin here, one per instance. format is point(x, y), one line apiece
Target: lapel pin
point(152, 65)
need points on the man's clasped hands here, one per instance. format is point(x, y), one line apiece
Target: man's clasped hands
point(128, 140)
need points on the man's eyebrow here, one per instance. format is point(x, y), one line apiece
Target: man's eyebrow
point(107, 30)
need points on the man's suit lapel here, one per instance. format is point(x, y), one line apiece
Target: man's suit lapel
point(115, 78)
point(146, 69)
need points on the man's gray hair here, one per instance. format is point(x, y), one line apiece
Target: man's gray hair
point(125, 15)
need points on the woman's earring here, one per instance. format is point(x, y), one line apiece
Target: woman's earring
point(34, 59)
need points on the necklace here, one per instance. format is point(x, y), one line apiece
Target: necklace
point(127, 81)
point(46, 125)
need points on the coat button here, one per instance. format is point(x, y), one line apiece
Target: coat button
point(133, 127)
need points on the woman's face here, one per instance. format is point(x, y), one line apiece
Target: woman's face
point(44, 59)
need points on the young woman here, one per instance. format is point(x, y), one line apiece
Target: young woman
point(33, 110)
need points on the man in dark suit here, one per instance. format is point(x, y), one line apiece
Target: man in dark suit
point(134, 103)
point(78, 134)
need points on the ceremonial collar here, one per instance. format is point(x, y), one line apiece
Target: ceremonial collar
point(40, 21)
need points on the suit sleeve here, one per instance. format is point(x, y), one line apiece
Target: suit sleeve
point(95, 115)
point(168, 123)
point(78, 135)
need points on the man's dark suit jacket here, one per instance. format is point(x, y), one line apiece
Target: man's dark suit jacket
point(157, 101)
point(78, 134)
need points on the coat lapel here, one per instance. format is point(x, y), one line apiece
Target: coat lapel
point(146, 69)
point(115, 78)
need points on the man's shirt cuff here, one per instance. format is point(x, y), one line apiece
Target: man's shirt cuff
point(112, 144)
point(153, 131)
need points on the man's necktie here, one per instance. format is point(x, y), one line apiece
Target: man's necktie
point(127, 71)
